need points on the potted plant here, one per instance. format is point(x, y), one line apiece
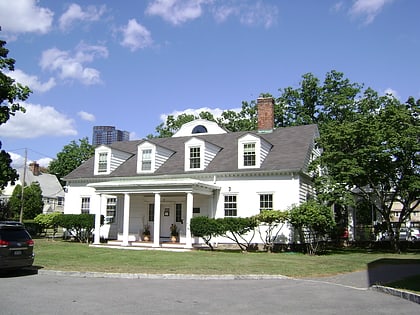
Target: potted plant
point(146, 232)
point(174, 233)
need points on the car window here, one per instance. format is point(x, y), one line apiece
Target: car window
point(14, 235)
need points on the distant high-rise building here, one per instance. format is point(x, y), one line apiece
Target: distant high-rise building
point(108, 135)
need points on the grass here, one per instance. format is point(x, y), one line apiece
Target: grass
point(70, 256)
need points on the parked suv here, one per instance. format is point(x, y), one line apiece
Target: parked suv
point(16, 246)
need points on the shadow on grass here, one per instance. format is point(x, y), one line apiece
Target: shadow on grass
point(13, 273)
point(387, 270)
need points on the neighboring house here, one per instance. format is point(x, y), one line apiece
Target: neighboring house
point(202, 170)
point(52, 192)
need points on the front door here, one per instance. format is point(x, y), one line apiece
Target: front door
point(166, 219)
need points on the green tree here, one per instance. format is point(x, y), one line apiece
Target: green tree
point(206, 228)
point(314, 222)
point(48, 221)
point(239, 230)
point(375, 155)
point(10, 93)
point(32, 201)
point(80, 226)
point(71, 157)
point(270, 223)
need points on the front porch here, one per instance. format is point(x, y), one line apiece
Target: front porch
point(157, 204)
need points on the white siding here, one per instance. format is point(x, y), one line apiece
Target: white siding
point(265, 148)
point(117, 158)
point(162, 155)
point(210, 152)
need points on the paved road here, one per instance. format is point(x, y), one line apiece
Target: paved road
point(46, 293)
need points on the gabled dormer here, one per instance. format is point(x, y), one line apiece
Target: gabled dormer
point(198, 154)
point(252, 151)
point(107, 159)
point(150, 157)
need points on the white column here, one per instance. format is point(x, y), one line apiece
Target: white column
point(190, 202)
point(156, 223)
point(126, 221)
point(97, 238)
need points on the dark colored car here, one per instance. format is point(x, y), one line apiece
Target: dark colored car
point(16, 246)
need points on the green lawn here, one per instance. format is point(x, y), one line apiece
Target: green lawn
point(70, 256)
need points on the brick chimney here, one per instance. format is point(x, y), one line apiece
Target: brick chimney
point(34, 167)
point(265, 108)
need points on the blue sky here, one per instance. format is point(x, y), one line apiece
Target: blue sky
point(128, 64)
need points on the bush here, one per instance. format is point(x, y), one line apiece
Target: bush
point(32, 227)
point(205, 228)
point(79, 225)
point(47, 221)
point(235, 229)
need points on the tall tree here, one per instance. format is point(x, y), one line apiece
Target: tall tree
point(10, 93)
point(71, 157)
point(32, 201)
point(374, 154)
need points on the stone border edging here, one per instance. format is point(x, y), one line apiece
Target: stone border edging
point(158, 276)
point(410, 296)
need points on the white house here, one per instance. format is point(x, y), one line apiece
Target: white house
point(52, 192)
point(202, 170)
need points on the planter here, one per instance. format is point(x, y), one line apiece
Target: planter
point(146, 238)
point(173, 239)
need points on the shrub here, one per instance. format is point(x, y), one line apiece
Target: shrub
point(79, 225)
point(205, 228)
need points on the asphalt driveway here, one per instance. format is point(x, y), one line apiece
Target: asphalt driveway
point(48, 292)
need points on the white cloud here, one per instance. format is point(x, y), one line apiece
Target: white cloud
point(31, 81)
point(86, 116)
point(36, 122)
point(25, 16)
point(71, 66)
point(176, 11)
point(75, 13)
point(392, 92)
point(136, 36)
point(368, 9)
point(18, 161)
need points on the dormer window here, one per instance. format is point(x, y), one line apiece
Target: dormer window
point(252, 150)
point(150, 157)
point(103, 162)
point(108, 159)
point(199, 129)
point(146, 160)
point(249, 154)
point(195, 158)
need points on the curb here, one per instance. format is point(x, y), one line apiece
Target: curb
point(158, 276)
point(413, 297)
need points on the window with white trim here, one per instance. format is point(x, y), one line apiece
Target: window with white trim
point(151, 212)
point(103, 162)
point(111, 209)
point(85, 205)
point(146, 160)
point(230, 206)
point(195, 157)
point(178, 212)
point(266, 202)
point(249, 154)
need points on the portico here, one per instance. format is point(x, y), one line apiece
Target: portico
point(157, 206)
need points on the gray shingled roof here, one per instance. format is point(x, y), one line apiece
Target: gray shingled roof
point(291, 148)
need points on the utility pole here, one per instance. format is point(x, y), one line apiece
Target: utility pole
point(23, 186)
